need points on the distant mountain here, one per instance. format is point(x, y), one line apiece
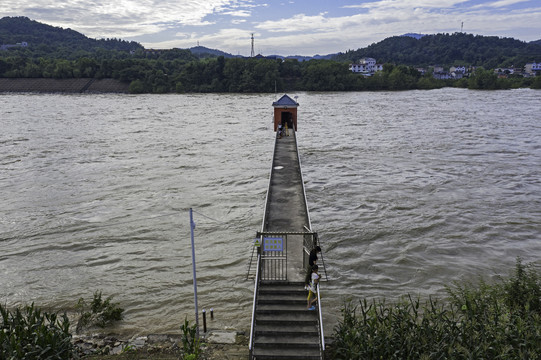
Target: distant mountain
point(447, 50)
point(204, 52)
point(537, 42)
point(306, 58)
point(46, 39)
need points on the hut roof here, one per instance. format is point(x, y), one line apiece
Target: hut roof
point(285, 101)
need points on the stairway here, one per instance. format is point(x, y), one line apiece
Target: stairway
point(284, 328)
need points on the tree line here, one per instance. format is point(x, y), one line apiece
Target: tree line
point(179, 72)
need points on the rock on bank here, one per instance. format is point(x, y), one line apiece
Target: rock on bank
point(47, 85)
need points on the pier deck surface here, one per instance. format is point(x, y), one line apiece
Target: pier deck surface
point(287, 208)
point(284, 327)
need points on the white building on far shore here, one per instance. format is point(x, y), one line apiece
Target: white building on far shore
point(532, 68)
point(366, 66)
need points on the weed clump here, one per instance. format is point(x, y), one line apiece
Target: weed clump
point(100, 313)
point(191, 344)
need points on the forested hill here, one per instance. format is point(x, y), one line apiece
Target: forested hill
point(449, 49)
point(51, 41)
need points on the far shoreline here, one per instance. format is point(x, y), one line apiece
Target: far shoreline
point(63, 86)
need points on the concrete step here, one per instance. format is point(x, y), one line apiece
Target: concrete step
point(283, 308)
point(282, 299)
point(288, 341)
point(281, 287)
point(300, 318)
point(268, 353)
point(286, 329)
point(292, 291)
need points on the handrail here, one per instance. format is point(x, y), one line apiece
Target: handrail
point(322, 259)
point(302, 182)
point(256, 285)
point(316, 238)
point(320, 319)
point(265, 210)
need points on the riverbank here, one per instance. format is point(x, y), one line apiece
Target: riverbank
point(69, 86)
point(217, 345)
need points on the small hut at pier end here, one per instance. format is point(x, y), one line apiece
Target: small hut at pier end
point(285, 112)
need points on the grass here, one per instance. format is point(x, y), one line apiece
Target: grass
point(498, 321)
point(191, 343)
point(29, 333)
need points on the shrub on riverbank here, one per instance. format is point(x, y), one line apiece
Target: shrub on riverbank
point(499, 321)
point(29, 333)
point(98, 313)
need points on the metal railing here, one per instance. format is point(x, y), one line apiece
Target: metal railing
point(302, 185)
point(256, 288)
point(274, 263)
point(310, 243)
point(322, 336)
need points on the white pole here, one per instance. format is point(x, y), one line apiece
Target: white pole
point(192, 226)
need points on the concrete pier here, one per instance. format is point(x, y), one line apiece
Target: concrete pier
point(283, 327)
point(286, 204)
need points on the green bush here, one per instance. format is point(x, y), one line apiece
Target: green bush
point(191, 344)
point(500, 321)
point(98, 313)
point(29, 333)
point(136, 87)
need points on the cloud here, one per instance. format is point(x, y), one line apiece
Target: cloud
point(239, 13)
point(300, 22)
point(306, 27)
point(407, 4)
point(503, 3)
point(121, 16)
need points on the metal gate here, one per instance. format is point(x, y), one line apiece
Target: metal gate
point(273, 256)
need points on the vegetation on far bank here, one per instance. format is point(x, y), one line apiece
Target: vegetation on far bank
point(247, 75)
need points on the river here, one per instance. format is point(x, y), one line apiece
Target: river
point(409, 192)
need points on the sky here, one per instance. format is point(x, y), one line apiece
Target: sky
point(283, 27)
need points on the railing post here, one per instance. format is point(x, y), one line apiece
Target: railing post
point(320, 319)
point(256, 285)
point(192, 227)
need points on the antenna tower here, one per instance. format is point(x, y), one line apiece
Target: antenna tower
point(462, 27)
point(252, 54)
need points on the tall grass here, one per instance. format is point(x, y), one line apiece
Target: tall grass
point(191, 343)
point(498, 321)
point(29, 333)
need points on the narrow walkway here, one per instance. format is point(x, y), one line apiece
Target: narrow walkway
point(283, 327)
point(286, 205)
